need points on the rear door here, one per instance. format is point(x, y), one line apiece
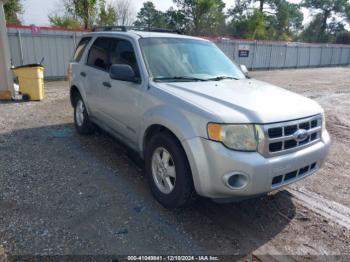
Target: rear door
point(96, 73)
point(76, 66)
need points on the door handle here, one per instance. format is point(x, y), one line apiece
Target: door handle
point(83, 74)
point(107, 84)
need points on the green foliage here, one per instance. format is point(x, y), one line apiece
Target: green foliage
point(312, 31)
point(283, 21)
point(204, 16)
point(343, 38)
point(149, 16)
point(107, 15)
point(176, 20)
point(84, 10)
point(324, 31)
point(64, 21)
point(13, 11)
point(85, 13)
point(289, 19)
point(256, 26)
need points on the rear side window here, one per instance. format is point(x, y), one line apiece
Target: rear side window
point(79, 51)
point(98, 54)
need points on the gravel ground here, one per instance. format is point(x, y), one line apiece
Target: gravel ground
point(61, 193)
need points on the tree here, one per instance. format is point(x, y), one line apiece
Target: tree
point(86, 10)
point(201, 14)
point(310, 33)
point(343, 38)
point(149, 16)
point(237, 25)
point(280, 21)
point(256, 26)
point(176, 20)
point(13, 11)
point(107, 14)
point(124, 12)
point(327, 9)
point(289, 19)
point(65, 21)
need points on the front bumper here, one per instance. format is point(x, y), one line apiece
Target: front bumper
point(211, 163)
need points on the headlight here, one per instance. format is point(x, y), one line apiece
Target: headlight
point(237, 137)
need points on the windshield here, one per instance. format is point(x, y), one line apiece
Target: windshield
point(179, 59)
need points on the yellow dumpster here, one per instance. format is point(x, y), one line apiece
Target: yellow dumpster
point(31, 81)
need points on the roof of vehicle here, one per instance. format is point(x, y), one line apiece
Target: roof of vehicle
point(143, 33)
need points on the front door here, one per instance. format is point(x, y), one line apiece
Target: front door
point(121, 99)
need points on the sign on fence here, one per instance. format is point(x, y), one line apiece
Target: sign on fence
point(243, 50)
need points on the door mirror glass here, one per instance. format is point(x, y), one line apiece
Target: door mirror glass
point(122, 72)
point(244, 69)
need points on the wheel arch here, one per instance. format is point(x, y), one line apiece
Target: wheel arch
point(164, 119)
point(74, 91)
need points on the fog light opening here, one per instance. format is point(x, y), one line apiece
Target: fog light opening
point(237, 181)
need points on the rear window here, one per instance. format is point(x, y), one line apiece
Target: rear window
point(79, 51)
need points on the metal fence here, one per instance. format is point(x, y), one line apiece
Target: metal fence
point(279, 55)
point(29, 45)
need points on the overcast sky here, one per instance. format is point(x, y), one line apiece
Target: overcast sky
point(36, 11)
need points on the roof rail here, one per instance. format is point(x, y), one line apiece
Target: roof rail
point(135, 28)
point(109, 28)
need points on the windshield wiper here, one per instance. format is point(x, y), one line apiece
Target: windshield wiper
point(219, 78)
point(171, 78)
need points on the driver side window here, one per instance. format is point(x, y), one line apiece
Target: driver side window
point(122, 52)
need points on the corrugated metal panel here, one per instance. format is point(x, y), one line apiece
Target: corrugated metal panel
point(57, 48)
point(278, 56)
point(345, 56)
point(326, 56)
point(303, 57)
point(262, 56)
point(291, 57)
point(315, 56)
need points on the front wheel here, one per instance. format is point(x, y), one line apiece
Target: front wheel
point(81, 117)
point(168, 171)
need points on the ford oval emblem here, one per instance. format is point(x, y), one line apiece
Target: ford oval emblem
point(300, 135)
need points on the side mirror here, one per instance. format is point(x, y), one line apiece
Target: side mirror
point(244, 69)
point(122, 72)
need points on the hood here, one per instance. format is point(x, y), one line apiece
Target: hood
point(244, 101)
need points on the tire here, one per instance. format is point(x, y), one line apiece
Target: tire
point(164, 172)
point(81, 118)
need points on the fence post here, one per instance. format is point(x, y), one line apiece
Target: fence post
point(341, 54)
point(20, 47)
point(285, 55)
point(254, 51)
point(309, 57)
point(321, 55)
point(270, 56)
point(297, 65)
point(330, 62)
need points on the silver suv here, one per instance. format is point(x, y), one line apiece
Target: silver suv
point(199, 123)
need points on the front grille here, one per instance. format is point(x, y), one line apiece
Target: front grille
point(279, 137)
point(288, 177)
